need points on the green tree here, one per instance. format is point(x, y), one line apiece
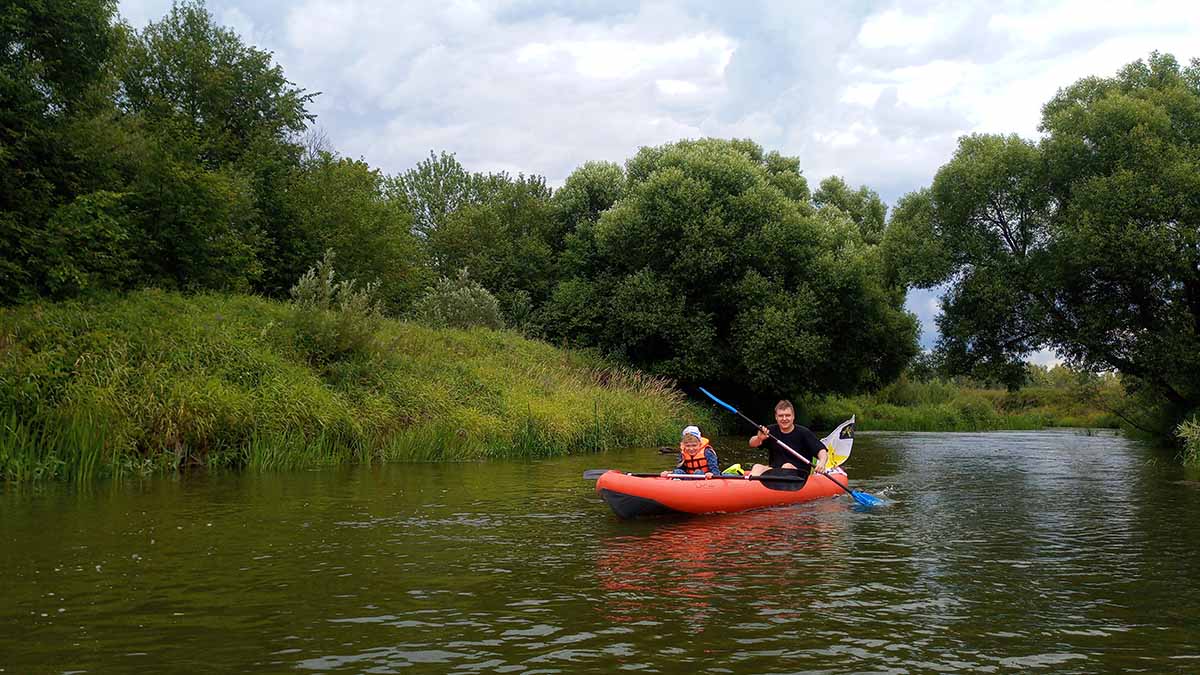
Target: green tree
point(588, 192)
point(215, 97)
point(341, 206)
point(863, 205)
point(53, 57)
point(434, 189)
point(223, 123)
point(509, 240)
point(913, 256)
point(713, 266)
point(1087, 242)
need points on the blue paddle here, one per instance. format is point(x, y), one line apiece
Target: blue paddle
point(860, 497)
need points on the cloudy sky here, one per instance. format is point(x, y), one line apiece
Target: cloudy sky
point(876, 92)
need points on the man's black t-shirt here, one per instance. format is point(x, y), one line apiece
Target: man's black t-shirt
point(799, 439)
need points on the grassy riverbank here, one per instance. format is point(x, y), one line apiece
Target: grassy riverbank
point(156, 381)
point(938, 405)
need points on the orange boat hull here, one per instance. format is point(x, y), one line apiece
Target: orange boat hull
point(633, 496)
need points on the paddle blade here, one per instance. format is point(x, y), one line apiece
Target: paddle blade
point(719, 402)
point(868, 499)
point(594, 474)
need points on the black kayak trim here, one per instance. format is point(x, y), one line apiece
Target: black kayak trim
point(628, 507)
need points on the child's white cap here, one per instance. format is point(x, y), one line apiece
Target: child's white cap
point(692, 431)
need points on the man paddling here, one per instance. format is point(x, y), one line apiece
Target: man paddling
point(798, 438)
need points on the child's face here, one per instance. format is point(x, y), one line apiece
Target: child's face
point(689, 443)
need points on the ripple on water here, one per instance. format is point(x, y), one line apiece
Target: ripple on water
point(1042, 552)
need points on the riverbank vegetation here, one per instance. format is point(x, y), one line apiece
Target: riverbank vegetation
point(156, 381)
point(163, 189)
point(1056, 397)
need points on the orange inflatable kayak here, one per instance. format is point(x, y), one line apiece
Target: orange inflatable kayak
point(632, 496)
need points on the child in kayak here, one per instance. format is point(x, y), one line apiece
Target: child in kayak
point(696, 456)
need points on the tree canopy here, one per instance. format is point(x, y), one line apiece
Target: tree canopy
point(53, 59)
point(1086, 242)
point(713, 265)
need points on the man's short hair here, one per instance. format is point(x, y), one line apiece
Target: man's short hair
point(785, 405)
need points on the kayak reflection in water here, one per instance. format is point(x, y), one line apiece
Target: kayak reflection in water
point(696, 456)
point(688, 569)
point(798, 438)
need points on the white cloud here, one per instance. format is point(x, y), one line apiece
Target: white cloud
point(897, 28)
point(676, 87)
point(705, 55)
point(1045, 357)
point(878, 99)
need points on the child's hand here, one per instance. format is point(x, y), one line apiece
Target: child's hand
point(707, 475)
point(665, 474)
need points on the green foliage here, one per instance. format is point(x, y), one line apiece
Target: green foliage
point(155, 382)
point(434, 189)
point(588, 192)
point(863, 206)
point(333, 320)
point(509, 239)
point(1085, 242)
point(913, 256)
point(458, 302)
point(341, 205)
point(195, 227)
point(713, 265)
point(942, 405)
point(1188, 433)
point(86, 244)
point(220, 118)
point(52, 66)
point(198, 84)
point(159, 157)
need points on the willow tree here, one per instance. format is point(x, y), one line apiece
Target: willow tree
point(1087, 242)
point(713, 265)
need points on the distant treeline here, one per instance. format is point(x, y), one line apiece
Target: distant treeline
point(178, 157)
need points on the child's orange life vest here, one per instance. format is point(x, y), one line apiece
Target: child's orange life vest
point(694, 461)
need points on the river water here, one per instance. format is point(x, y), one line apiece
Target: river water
point(1051, 552)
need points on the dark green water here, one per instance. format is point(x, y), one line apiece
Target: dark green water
point(1049, 552)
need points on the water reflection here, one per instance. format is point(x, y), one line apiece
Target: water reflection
point(1046, 552)
point(676, 568)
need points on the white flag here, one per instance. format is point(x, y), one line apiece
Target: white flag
point(839, 442)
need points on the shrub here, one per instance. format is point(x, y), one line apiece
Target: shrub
point(333, 319)
point(1189, 433)
point(458, 303)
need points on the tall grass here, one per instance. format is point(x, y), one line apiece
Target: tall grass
point(1189, 433)
point(157, 382)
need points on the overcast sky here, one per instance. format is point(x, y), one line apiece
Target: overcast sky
point(876, 92)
